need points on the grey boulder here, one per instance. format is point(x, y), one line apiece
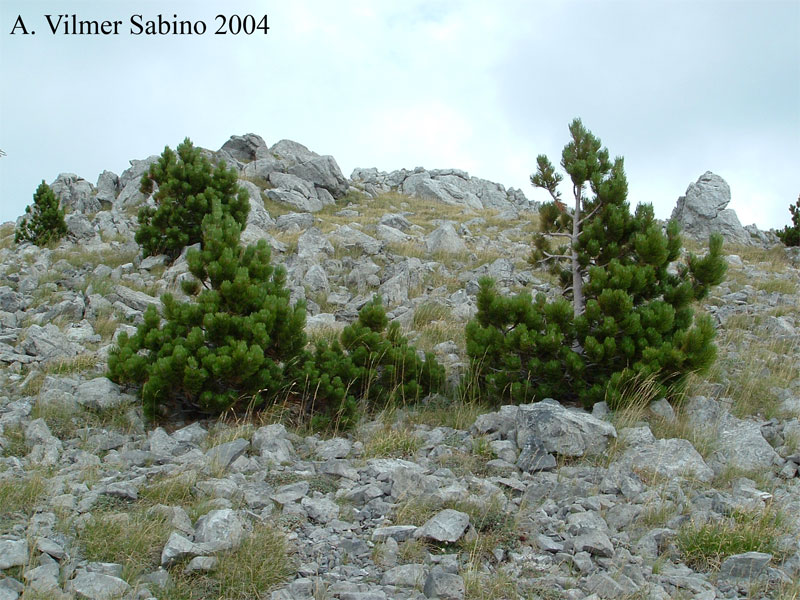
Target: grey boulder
point(562, 431)
point(446, 526)
point(703, 211)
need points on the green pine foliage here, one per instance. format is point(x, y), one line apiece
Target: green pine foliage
point(188, 187)
point(44, 220)
point(626, 312)
point(231, 345)
point(790, 236)
point(239, 344)
point(372, 361)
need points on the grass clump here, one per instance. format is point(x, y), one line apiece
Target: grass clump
point(171, 491)
point(494, 586)
point(704, 546)
point(442, 412)
point(77, 364)
point(20, 495)
point(777, 285)
point(392, 443)
point(133, 539)
point(428, 312)
point(66, 421)
point(260, 564)
point(14, 444)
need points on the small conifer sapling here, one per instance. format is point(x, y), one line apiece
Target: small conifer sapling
point(188, 187)
point(44, 219)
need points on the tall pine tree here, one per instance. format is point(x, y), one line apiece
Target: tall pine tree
point(188, 187)
point(626, 310)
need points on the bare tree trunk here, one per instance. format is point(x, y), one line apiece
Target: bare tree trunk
point(577, 278)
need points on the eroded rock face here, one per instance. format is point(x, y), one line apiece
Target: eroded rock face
point(703, 210)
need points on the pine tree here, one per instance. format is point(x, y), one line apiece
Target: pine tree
point(790, 236)
point(44, 220)
point(624, 313)
point(231, 346)
point(188, 186)
point(370, 364)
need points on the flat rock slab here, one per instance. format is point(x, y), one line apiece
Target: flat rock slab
point(101, 393)
point(220, 530)
point(97, 586)
point(400, 533)
point(562, 431)
point(223, 455)
point(444, 586)
point(412, 575)
point(13, 553)
point(744, 566)
point(666, 458)
point(179, 547)
point(320, 510)
point(446, 526)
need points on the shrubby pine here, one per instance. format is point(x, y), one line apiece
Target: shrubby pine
point(44, 220)
point(238, 343)
point(372, 361)
point(790, 236)
point(188, 187)
point(231, 345)
point(625, 313)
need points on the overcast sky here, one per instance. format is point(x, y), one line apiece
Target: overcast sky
point(676, 87)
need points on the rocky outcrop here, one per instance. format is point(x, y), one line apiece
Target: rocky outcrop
point(296, 175)
point(450, 186)
point(703, 211)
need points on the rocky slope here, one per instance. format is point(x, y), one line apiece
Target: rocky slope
point(440, 500)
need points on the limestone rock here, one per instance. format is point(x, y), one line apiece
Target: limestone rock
point(446, 526)
point(243, 148)
point(219, 530)
point(744, 566)
point(97, 586)
point(444, 239)
point(562, 431)
point(703, 211)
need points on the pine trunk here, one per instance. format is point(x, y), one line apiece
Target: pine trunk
point(577, 277)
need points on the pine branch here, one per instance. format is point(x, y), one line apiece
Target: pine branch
point(590, 215)
point(549, 256)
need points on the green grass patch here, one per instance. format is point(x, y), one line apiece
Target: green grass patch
point(443, 412)
point(258, 566)
point(21, 494)
point(704, 546)
point(391, 442)
point(65, 421)
point(133, 539)
point(14, 444)
point(177, 490)
point(779, 285)
point(428, 312)
point(80, 257)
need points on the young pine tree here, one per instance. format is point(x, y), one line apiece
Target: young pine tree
point(790, 236)
point(188, 187)
point(626, 309)
point(44, 220)
point(232, 345)
point(369, 365)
